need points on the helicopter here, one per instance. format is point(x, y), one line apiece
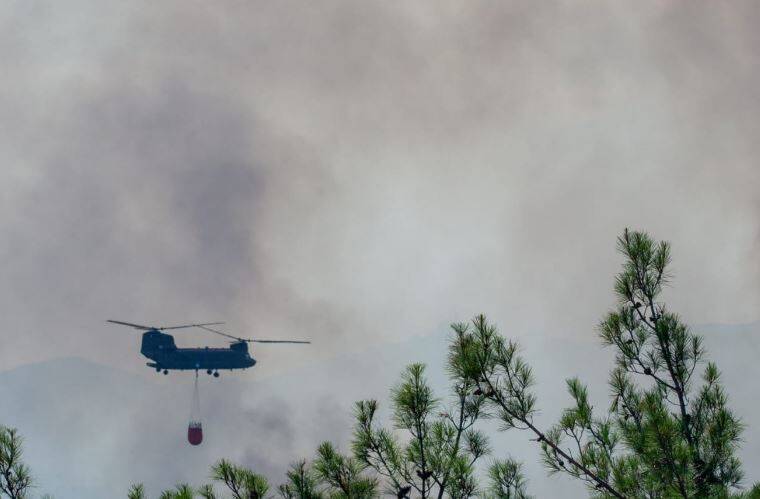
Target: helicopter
point(160, 348)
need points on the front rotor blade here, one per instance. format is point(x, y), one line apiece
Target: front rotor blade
point(190, 325)
point(136, 326)
point(280, 341)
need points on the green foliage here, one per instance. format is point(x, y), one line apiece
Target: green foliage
point(666, 434)
point(302, 483)
point(681, 437)
point(136, 491)
point(181, 491)
point(491, 364)
point(343, 474)
point(753, 493)
point(440, 448)
point(506, 481)
point(15, 477)
point(207, 492)
point(332, 475)
point(241, 482)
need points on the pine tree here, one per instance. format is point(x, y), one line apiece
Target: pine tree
point(136, 491)
point(241, 482)
point(302, 483)
point(343, 474)
point(507, 481)
point(665, 434)
point(442, 447)
point(181, 491)
point(15, 477)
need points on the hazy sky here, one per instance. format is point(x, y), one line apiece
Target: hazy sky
point(363, 172)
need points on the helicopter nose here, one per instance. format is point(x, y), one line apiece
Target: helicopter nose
point(251, 362)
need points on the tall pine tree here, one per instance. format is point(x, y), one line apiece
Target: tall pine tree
point(668, 431)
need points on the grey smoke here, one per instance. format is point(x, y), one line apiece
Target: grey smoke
point(365, 173)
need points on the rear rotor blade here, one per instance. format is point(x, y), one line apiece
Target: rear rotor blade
point(136, 326)
point(189, 325)
point(203, 326)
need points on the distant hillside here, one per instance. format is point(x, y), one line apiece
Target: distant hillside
point(92, 430)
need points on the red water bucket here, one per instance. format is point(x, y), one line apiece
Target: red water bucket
point(195, 433)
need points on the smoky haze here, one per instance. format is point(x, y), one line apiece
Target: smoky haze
point(364, 173)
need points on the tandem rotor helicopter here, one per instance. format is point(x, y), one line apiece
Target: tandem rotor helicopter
point(160, 348)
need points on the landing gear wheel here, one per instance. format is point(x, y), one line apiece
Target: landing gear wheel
point(158, 369)
point(216, 374)
point(208, 371)
point(166, 371)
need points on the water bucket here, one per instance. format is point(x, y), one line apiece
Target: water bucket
point(195, 433)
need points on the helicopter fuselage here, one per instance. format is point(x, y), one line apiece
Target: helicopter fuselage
point(160, 348)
